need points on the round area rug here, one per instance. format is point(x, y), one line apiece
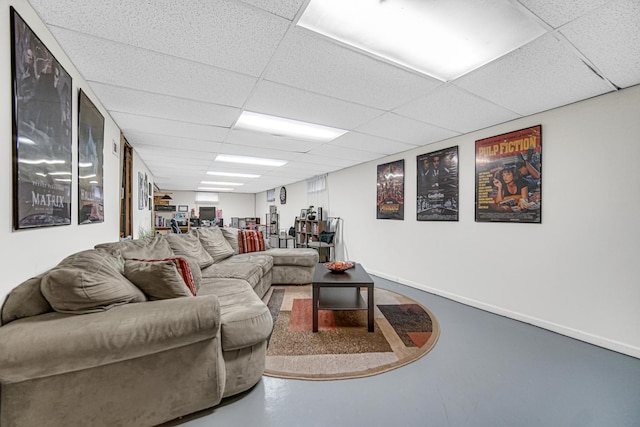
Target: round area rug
point(343, 348)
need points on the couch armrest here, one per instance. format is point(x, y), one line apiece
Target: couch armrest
point(55, 343)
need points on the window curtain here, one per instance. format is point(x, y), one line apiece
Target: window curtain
point(317, 194)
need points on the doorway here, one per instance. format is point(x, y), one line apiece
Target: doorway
point(126, 189)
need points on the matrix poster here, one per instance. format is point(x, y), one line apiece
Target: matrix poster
point(42, 101)
point(509, 177)
point(390, 200)
point(437, 196)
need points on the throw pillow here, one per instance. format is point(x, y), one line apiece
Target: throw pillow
point(214, 243)
point(151, 248)
point(231, 236)
point(87, 282)
point(161, 278)
point(188, 245)
point(250, 241)
point(326, 236)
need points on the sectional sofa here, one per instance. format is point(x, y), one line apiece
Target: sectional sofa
point(140, 332)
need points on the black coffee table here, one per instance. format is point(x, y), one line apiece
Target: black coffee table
point(341, 291)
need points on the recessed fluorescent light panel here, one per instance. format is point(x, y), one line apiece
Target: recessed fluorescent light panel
point(444, 39)
point(233, 174)
point(220, 183)
point(214, 189)
point(249, 160)
point(279, 126)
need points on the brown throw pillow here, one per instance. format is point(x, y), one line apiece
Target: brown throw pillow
point(161, 279)
point(214, 243)
point(88, 282)
point(189, 246)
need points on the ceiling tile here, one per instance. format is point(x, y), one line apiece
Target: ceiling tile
point(557, 13)
point(617, 55)
point(542, 75)
point(263, 152)
point(135, 123)
point(330, 162)
point(346, 154)
point(185, 145)
point(285, 8)
point(225, 34)
point(285, 101)
point(272, 142)
point(153, 72)
point(393, 126)
point(161, 169)
point(313, 63)
point(364, 142)
point(127, 100)
point(452, 108)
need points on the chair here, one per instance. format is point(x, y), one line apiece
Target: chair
point(327, 238)
point(174, 226)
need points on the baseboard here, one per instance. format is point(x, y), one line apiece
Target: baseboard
point(599, 341)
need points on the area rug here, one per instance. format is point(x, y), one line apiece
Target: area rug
point(342, 348)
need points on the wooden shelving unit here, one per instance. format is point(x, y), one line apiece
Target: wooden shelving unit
point(309, 231)
point(164, 211)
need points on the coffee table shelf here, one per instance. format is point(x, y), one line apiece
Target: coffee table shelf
point(333, 291)
point(341, 299)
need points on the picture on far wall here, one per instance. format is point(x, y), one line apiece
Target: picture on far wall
point(437, 195)
point(509, 177)
point(142, 196)
point(271, 195)
point(390, 199)
point(41, 101)
point(90, 162)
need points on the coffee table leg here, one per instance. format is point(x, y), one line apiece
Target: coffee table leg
point(316, 295)
point(370, 307)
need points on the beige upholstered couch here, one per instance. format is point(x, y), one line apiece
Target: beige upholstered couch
point(113, 336)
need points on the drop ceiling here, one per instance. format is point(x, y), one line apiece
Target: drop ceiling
point(175, 76)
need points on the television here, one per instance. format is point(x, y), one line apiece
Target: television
point(207, 213)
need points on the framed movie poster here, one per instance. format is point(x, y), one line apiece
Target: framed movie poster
point(390, 200)
point(509, 177)
point(42, 170)
point(90, 162)
point(437, 195)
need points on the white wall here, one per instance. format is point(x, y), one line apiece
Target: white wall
point(296, 200)
point(241, 205)
point(576, 273)
point(26, 253)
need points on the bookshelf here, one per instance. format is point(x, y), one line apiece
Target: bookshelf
point(308, 231)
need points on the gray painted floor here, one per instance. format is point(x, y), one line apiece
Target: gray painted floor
point(485, 370)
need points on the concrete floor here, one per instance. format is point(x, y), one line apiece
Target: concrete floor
point(485, 370)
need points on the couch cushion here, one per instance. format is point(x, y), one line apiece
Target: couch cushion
point(257, 258)
point(188, 245)
point(153, 248)
point(231, 235)
point(87, 282)
point(161, 279)
point(251, 273)
point(25, 300)
point(214, 243)
point(250, 241)
point(245, 319)
point(303, 257)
